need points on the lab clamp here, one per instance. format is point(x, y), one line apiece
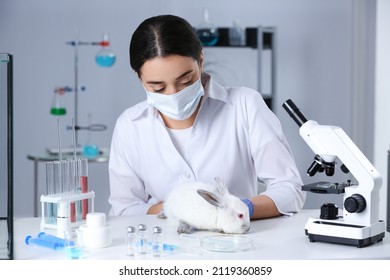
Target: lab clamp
point(360, 225)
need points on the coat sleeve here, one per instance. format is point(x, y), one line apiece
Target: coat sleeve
point(127, 191)
point(272, 156)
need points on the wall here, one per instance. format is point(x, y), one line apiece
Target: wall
point(382, 100)
point(315, 39)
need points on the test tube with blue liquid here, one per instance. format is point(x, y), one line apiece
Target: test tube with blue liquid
point(65, 177)
point(57, 172)
point(50, 207)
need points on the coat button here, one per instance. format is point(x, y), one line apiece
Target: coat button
point(187, 175)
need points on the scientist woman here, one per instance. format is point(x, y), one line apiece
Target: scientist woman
point(190, 128)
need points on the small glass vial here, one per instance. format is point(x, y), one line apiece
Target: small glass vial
point(131, 241)
point(157, 246)
point(142, 241)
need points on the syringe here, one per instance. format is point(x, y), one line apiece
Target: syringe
point(51, 238)
point(43, 243)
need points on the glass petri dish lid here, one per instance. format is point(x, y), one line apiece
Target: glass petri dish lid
point(226, 243)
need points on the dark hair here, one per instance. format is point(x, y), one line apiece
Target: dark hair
point(161, 36)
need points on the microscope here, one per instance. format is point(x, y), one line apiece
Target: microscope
point(359, 225)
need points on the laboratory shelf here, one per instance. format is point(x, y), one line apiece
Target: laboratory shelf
point(263, 40)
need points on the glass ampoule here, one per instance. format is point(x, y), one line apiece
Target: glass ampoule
point(131, 241)
point(142, 241)
point(157, 245)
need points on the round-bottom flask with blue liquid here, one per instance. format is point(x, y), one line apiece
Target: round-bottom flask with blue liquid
point(207, 33)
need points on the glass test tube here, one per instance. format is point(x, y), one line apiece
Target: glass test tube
point(65, 177)
point(78, 189)
point(84, 186)
point(72, 188)
point(50, 215)
point(57, 177)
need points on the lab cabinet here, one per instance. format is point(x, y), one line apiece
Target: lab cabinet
point(252, 64)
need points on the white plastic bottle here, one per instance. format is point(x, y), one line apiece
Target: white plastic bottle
point(63, 222)
point(237, 35)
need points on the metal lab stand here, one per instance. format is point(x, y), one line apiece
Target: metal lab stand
point(45, 157)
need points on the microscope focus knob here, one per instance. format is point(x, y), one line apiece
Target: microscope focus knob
point(355, 203)
point(329, 211)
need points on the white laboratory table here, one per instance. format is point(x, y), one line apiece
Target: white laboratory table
point(281, 238)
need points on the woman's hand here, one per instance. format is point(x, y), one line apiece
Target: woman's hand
point(156, 208)
point(264, 207)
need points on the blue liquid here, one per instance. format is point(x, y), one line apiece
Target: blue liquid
point(208, 37)
point(90, 150)
point(105, 60)
point(74, 252)
point(51, 210)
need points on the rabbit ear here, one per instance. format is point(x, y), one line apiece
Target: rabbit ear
point(211, 198)
point(222, 188)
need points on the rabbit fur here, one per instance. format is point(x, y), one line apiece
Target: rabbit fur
point(200, 206)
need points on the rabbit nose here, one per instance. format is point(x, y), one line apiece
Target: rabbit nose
point(245, 228)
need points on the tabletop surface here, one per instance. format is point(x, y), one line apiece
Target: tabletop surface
point(281, 238)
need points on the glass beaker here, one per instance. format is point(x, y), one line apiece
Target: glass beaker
point(207, 33)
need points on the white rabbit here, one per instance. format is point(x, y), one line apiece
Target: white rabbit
point(202, 206)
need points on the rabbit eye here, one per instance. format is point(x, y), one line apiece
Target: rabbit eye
point(241, 216)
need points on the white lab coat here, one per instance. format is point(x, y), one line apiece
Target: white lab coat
point(235, 137)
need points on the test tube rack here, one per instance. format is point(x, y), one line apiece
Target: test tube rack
point(71, 198)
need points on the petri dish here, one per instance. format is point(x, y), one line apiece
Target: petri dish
point(226, 243)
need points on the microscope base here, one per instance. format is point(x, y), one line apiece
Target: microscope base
point(335, 231)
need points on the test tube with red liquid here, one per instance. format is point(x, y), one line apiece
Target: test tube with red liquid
point(73, 187)
point(84, 186)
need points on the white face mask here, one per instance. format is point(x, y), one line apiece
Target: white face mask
point(178, 106)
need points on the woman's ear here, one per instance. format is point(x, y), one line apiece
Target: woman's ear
point(201, 61)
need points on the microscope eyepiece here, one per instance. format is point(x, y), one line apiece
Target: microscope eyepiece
point(294, 112)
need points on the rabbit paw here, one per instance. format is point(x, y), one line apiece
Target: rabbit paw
point(184, 228)
point(161, 215)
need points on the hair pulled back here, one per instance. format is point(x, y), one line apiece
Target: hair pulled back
point(161, 36)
